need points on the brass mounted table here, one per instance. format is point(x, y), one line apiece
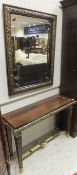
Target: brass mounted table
point(23, 118)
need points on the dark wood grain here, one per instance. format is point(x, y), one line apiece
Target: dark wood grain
point(2, 157)
point(25, 115)
point(66, 3)
point(69, 118)
point(9, 139)
point(69, 55)
point(4, 152)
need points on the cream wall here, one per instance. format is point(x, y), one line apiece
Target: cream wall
point(11, 103)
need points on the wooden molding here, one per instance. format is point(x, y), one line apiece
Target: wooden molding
point(67, 3)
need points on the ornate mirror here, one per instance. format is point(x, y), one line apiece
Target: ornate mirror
point(30, 48)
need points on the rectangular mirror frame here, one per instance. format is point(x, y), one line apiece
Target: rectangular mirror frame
point(7, 11)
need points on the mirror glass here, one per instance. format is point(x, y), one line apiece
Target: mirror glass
point(30, 43)
point(30, 38)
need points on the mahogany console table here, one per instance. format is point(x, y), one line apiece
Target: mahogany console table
point(20, 119)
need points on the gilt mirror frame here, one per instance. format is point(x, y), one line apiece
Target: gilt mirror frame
point(7, 11)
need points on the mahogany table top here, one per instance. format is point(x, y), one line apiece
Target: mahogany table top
point(27, 114)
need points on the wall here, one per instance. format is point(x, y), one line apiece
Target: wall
point(11, 103)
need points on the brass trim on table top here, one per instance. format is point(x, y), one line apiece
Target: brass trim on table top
point(17, 131)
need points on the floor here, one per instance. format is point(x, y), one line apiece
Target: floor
point(59, 157)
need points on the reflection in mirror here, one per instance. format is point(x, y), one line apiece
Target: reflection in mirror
point(30, 37)
point(30, 47)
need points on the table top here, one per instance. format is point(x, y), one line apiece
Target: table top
point(25, 115)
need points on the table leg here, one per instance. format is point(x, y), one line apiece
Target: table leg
point(18, 142)
point(69, 119)
point(9, 138)
point(8, 169)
